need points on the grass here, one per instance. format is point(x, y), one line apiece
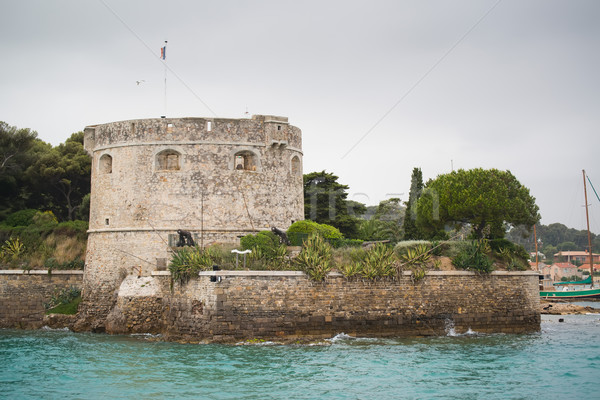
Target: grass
point(67, 309)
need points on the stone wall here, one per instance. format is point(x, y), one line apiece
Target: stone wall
point(23, 294)
point(241, 305)
point(217, 178)
point(227, 306)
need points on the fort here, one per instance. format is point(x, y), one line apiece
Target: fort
point(218, 179)
point(215, 180)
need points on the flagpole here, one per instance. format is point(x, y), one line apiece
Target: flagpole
point(164, 57)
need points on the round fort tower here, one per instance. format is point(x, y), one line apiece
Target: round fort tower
point(217, 178)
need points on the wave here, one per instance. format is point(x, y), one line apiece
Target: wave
point(451, 331)
point(47, 328)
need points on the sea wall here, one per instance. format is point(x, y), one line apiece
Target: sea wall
point(23, 294)
point(239, 305)
point(229, 306)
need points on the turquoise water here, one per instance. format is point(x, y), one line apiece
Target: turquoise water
point(560, 362)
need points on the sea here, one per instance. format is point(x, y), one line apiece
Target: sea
point(562, 361)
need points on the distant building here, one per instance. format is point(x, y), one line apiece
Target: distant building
point(563, 270)
point(582, 257)
point(539, 267)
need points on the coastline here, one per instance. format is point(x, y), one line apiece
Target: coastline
point(566, 308)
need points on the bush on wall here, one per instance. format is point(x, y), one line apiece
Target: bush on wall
point(301, 230)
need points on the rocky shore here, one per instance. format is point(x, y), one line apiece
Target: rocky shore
point(562, 308)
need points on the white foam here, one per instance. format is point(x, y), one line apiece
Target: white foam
point(449, 328)
point(257, 343)
point(451, 331)
point(340, 337)
point(147, 335)
point(47, 328)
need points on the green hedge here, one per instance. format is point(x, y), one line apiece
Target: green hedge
point(308, 227)
point(266, 241)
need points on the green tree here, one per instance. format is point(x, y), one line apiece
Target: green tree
point(15, 158)
point(411, 231)
point(325, 202)
point(387, 221)
point(14, 146)
point(64, 174)
point(553, 235)
point(568, 246)
point(390, 210)
point(375, 229)
point(487, 200)
point(549, 252)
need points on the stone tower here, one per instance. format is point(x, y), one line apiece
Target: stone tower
point(218, 178)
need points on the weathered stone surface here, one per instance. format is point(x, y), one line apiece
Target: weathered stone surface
point(217, 178)
point(23, 294)
point(287, 305)
point(248, 304)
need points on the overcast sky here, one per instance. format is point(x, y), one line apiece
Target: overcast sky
point(377, 87)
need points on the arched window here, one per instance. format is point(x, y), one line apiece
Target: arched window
point(245, 160)
point(168, 160)
point(106, 164)
point(296, 167)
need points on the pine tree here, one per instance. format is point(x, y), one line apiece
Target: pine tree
point(411, 231)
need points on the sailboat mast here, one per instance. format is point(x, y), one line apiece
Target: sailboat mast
point(587, 219)
point(537, 264)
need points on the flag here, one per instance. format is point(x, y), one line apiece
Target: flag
point(163, 52)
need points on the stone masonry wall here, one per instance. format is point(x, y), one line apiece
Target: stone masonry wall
point(151, 177)
point(241, 305)
point(287, 305)
point(23, 294)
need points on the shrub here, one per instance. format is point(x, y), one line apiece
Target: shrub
point(45, 218)
point(378, 262)
point(13, 248)
point(346, 255)
point(188, 261)
point(266, 241)
point(20, 218)
point(67, 309)
point(514, 256)
point(474, 257)
point(452, 247)
point(301, 230)
point(418, 255)
point(267, 252)
point(52, 264)
point(497, 244)
point(339, 243)
point(402, 247)
point(350, 269)
point(72, 228)
point(415, 258)
point(64, 296)
point(45, 238)
point(315, 258)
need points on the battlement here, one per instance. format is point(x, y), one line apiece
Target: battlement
point(259, 130)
